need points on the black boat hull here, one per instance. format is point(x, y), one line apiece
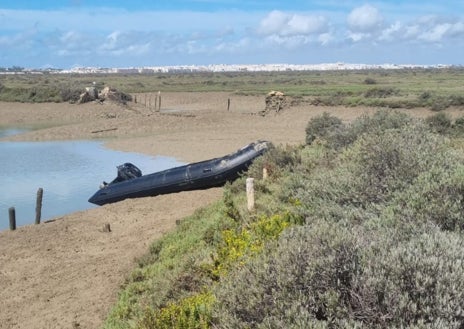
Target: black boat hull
point(195, 176)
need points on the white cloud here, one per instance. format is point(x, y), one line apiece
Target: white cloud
point(299, 24)
point(430, 29)
point(325, 38)
point(436, 33)
point(412, 31)
point(285, 24)
point(439, 32)
point(392, 32)
point(358, 36)
point(365, 19)
point(273, 23)
point(457, 29)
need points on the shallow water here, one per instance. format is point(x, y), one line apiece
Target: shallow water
point(69, 173)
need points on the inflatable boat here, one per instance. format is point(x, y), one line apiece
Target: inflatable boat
point(130, 183)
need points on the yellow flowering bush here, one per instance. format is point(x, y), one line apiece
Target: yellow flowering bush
point(193, 312)
point(238, 245)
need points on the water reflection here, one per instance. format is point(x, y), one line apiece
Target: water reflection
point(10, 132)
point(69, 173)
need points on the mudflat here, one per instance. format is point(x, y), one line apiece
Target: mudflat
point(67, 272)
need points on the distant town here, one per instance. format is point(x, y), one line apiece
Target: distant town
point(220, 68)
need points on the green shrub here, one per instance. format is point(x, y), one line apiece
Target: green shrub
point(321, 126)
point(388, 161)
point(327, 275)
point(71, 95)
point(380, 92)
point(276, 160)
point(238, 246)
point(370, 81)
point(193, 312)
point(437, 196)
point(440, 122)
point(379, 121)
point(458, 127)
point(378, 165)
point(338, 135)
point(457, 100)
point(425, 96)
point(418, 282)
point(307, 277)
point(439, 105)
point(173, 269)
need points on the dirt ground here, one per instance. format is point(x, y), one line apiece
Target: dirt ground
point(67, 273)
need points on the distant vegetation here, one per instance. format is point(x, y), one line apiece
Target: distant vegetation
point(436, 89)
point(361, 227)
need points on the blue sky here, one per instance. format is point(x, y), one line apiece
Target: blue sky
point(103, 33)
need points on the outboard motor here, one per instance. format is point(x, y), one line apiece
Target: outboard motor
point(126, 171)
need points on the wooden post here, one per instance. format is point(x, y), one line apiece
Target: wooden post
point(250, 191)
point(265, 173)
point(106, 228)
point(159, 103)
point(228, 104)
point(38, 206)
point(12, 215)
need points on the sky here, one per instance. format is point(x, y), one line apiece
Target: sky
point(74, 33)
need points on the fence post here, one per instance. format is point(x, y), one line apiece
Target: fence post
point(228, 104)
point(265, 173)
point(12, 215)
point(250, 191)
point(38, 206)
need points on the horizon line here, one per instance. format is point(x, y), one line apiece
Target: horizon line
point(224, 67)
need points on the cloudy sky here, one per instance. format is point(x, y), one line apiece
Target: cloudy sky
point(103, 33)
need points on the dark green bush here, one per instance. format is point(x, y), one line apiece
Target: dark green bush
point(425, 96)
point(71, 95)
point(440, 122)
point(437, 196)
point(417, 282)
point(340, 136)
point(390, 160)
point(456, 100)
point(330, 276)
point(370, 81)
point(321, 126)
point(306, 279)
point(276, 160)
point(378, 165)
point(438, 105)
point(380, 92)
point(443, 102)
point(458, 127)
point(379, 121)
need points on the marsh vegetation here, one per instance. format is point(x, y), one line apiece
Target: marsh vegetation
point(436, 89)
point(360, 227)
